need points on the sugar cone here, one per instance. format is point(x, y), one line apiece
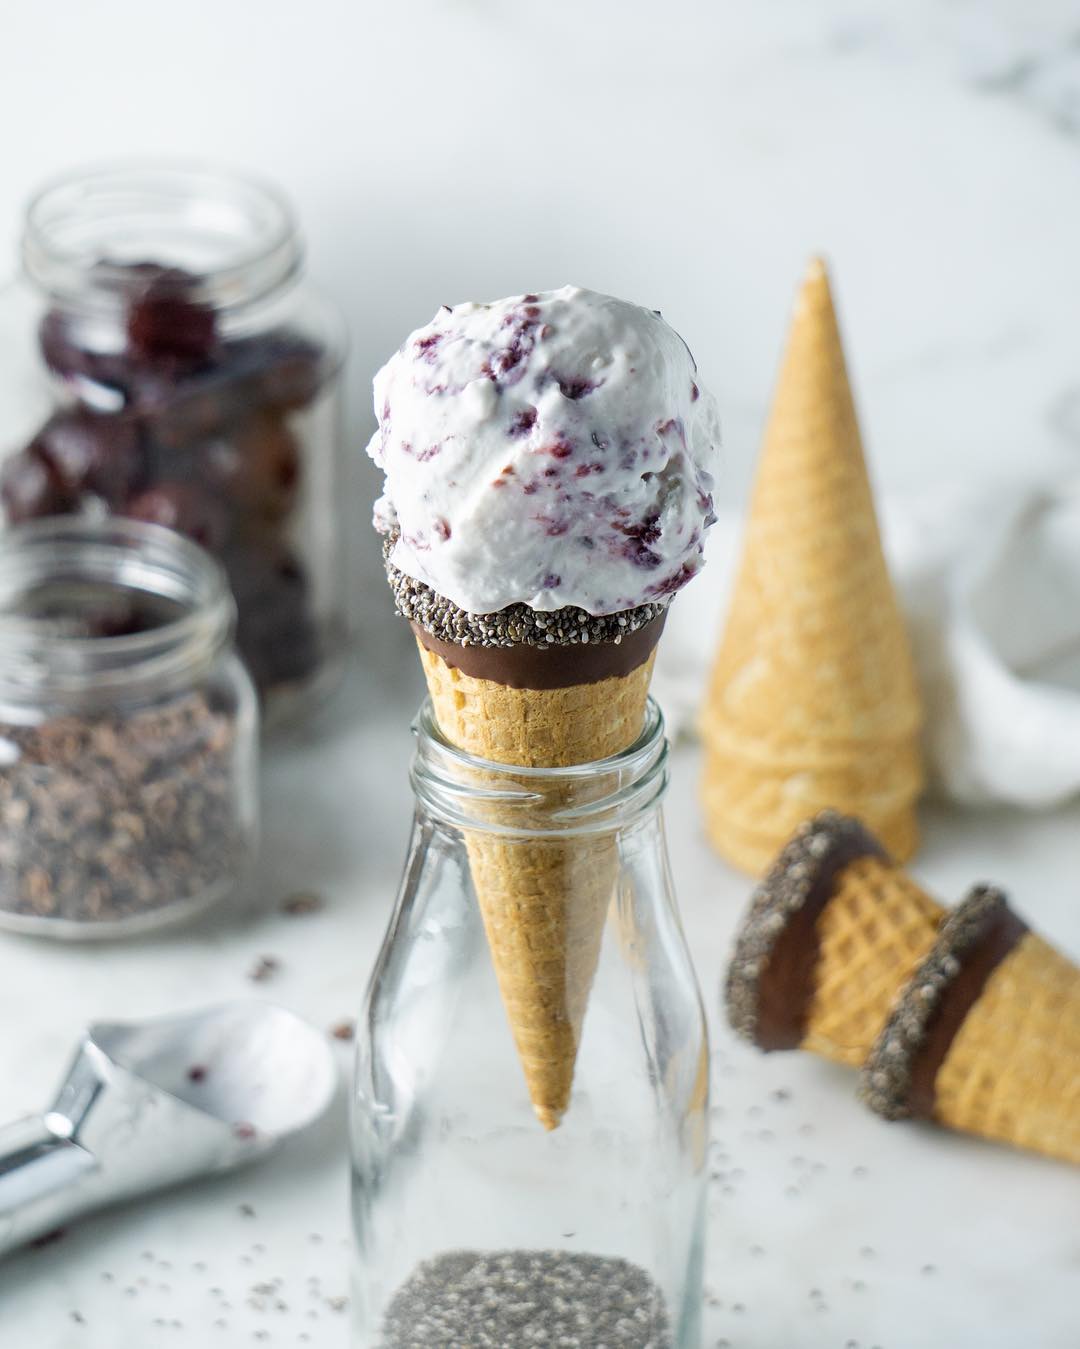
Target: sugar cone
point(986, 1035)
point(814, 670)
point(832, 935)
point(544, 901)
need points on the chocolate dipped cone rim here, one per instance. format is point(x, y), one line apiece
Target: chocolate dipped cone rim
point(554, 666)
point(770, 978)
point(898, 1078)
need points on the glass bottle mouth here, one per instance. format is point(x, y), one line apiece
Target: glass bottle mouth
point(467, 792)
point(90, 609)
point(85, 234)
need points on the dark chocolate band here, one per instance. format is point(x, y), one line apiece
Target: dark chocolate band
point(771, 977)
point(900, 1074)
point(556, 666)
point(786, 986)
point(1003, 934)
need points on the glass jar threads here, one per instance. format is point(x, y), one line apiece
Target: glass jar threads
point(168, 362)
point(475, 1223)
point(128, 730)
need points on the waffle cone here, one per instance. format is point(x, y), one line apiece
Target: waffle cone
point(543, 901)
point(754, 802)
point(815, 665)
point(1012, 1072)
point(872, 935)
point(857, 920)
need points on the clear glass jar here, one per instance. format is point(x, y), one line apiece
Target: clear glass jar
point(475, 1226)
point(128, 730)
point(166, 360)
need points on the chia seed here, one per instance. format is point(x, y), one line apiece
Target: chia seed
point(885, 1083)
point(775, 902)
point(516, 625)
point(111, 815)
point(513, 1299)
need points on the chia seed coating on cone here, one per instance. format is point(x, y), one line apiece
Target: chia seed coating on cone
point(887, 1085)
point(788, 901)
point(517, 625)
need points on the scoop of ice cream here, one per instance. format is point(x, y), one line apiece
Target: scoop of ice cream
point(553, 449)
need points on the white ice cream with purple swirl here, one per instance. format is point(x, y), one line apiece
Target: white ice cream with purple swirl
point(552, 449)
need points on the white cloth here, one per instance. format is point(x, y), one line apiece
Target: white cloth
point(990, 582)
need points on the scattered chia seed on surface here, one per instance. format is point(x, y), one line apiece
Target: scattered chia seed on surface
point(513, 1299)
point(516, 625)
point(264, 968)
point(302, 903)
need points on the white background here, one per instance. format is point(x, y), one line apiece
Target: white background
point(689, 155)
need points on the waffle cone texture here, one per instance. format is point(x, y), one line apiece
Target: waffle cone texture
point(812, 703)
point(1010, 1071)
point(544, 902)
point(961, 1016)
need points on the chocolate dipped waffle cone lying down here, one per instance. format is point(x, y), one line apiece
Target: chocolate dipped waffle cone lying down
point(963, 1017)
point(547, 464)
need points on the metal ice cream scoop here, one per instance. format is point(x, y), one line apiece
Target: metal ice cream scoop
point(150, 1104)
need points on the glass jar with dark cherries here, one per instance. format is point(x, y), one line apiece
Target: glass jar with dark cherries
point(168, 362)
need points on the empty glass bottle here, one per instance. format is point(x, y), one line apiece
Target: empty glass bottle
point(474, 1224)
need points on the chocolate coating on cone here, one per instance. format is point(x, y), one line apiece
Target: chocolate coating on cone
point(771, 976)
point(900, 1072)
point(553, 666)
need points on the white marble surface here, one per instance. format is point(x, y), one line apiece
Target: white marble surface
point(810, 1192)
point(689, 155)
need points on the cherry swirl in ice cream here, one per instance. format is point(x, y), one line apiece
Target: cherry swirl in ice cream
point(551, 450)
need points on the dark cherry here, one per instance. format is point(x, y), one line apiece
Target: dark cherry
point(280, 371)
point(294, 371)
point(93, 452)
point(275, 632)
point(99, 378)
point(256, 465)
point(181, 414)
point(164, 321)
point(185, 507)
point(30, 488)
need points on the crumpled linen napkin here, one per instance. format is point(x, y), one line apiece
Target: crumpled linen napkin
point(990, 583)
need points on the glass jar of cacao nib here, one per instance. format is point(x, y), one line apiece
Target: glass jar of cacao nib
point(167, 361)
point(128, 730)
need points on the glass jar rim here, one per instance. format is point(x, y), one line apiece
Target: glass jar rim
point(74, 224)
point(133, 556)
point(469, 792)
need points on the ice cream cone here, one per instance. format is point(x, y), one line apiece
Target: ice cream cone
point(548, 465)
point(832, 934)
point(544, 901)
point(815, 666)
point(986, 1035)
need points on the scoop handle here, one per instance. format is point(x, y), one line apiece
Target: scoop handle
point(41, 1179)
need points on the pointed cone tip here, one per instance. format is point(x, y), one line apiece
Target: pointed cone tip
point(815, 291)
point(817, 270)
